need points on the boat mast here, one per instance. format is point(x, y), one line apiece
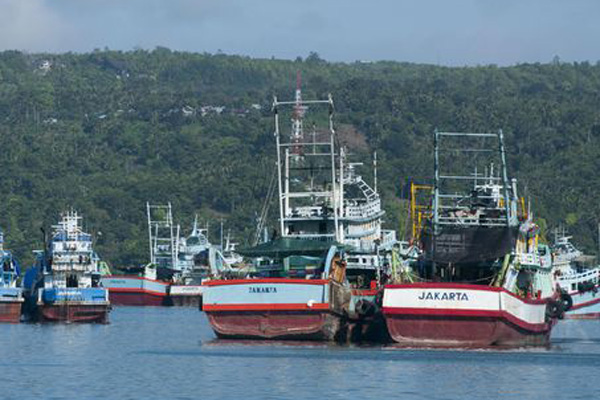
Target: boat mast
point(286, 183)
point(278, 143)
point(436, 182)
point(375, 171)
point(507, 201)
point(295, 215)
point(221, 233)
point(341, 237)
point(150, 243)
point(163, 235)
point(335, 203)
point(436, 196)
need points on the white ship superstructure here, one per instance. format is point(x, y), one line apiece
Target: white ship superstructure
point(73, 260)
point(327, 252)
point(565, 253)
point(65, 283)
point(578, 280)
point(184, 260)
point(322, 196)
point(11, 296)
point(483, 278)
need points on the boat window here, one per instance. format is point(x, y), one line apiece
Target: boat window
point(525, 282)
point(291, 267)
point(573, 286)
point(72, 281)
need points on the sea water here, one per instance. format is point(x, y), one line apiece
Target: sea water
point(171, 353)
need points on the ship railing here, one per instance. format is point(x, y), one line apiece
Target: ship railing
point(362, 262)
point(73, 247)
point(325, 237)
point(362, 246)
point(306, 212)
point(472, 221)
point(469, 208)
point(581, 277)
point(69, 267)
point(561, 263)
point(466, 197)
point(361, 211)
point(365, 210)
point(387, 240)
point(72, 256)
point(355, 232)
point(369, 193)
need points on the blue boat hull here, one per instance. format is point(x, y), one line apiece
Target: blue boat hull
point(72, 305)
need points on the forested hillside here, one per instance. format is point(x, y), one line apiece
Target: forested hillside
point(107, 131)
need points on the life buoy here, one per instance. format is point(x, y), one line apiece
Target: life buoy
point(365, 308)
point(554, 309)
point(567, 301)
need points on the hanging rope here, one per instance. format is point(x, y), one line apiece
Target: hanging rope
point(265, 209)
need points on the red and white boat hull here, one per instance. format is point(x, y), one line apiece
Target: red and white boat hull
point(581, 292)
point(586, 305)
point(126, 290)
point(457, 315)
point(10, 310)
point(296, 309)
point(185, 295)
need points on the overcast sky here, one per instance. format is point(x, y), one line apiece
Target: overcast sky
point(449, 32)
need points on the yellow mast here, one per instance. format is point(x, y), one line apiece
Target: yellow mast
point(418, 212)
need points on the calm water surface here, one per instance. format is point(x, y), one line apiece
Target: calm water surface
point(171, 353)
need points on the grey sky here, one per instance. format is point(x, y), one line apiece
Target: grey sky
point(450, 32)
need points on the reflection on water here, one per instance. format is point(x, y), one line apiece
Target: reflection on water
point(171, 353)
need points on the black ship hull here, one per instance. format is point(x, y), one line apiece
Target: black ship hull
point(468, 245)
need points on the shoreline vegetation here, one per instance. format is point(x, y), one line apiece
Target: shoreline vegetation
point(106, 131)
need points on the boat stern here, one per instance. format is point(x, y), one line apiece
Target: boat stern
point(461, 315)
point(73, 305)
point(126, 290)
point(272, 308)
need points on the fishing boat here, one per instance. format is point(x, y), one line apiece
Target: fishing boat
point(577, 277)
point(482, 277)
point(230, 255)
point(273, 305)
point(176, 268)
point(137, 287)
point(328, 253)
point(64, 284)
point(148, 285)
point(11, 296)
point(197, 259)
